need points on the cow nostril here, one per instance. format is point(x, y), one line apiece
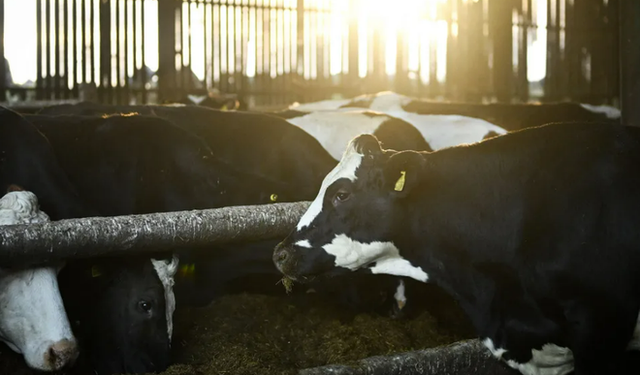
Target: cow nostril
point(62, 353)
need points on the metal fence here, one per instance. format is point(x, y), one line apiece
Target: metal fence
point(273, 52)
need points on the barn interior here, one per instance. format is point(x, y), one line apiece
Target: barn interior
point(270, 56)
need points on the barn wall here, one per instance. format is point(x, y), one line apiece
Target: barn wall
point(272, 52)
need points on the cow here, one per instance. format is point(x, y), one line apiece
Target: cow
point(334, 129)
point(534, 233)
point(33, 321)
point(252, 142)
point(507, 116)
point(136, 164)
point(28, 160)
point(439, 130)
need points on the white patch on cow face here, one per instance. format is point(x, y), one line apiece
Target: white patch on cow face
point(33, 320)
point(346, 168)
point(334, 129)
point(355, 255)
point(303, 243)
point(322, 105)
point(166, 272)
point(442, 131)
point(610, 112)
point(400, 296)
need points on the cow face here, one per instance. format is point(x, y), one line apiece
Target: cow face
point(33, 321)
point(123, 312)
point(357, 215)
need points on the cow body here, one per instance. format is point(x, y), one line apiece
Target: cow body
point(269, 145)
point(334, 129)
point(506, 116)
point(33, 320)
point(534, 233)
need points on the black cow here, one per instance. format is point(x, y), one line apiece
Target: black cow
point(535, 233)
point(138, 164)
point(255, 143)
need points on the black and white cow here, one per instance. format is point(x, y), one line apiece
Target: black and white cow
point(28, 160)
point(33, 321)
point(535, 233)
point(334, 129)
point(506, 116)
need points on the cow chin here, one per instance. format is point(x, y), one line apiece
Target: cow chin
point(303, 264)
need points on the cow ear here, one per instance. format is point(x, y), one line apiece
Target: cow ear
point(402, 172)
point(367, 145)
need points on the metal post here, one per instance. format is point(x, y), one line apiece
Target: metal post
point(3, 71)
point(630, 61)
point(167, 52)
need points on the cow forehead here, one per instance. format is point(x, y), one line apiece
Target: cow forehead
point(346, 168)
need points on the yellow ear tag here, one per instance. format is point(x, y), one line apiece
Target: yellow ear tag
point(188, 269)
point(224, 108)
point(400, 183)
point(273, 197)
point(95, 271)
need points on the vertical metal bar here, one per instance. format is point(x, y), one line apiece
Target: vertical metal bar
point(205, 44)
point(92, 52)
point(3, 70)
point(39, 45)
point(629, 13)
point(83, 49)
point(74, 29)
point(125, 72)
point(56, 82)
point(143, 64)
point(228, 56)
point(118, 86)
point(500, 32)
point(47, 42)
point(65, 48)
point(136, 75)
point(190, 82)
point(105, 91)
point(167, 61)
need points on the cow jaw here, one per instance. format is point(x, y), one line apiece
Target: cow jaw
point(386, 257)
point(166, 271)
point(33, 320)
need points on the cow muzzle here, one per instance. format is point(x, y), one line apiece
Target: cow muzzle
point(54, 356)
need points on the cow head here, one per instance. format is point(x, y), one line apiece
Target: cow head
point(356, 217)
point(123, 311)
point(33, 320)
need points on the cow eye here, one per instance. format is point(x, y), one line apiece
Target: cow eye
point(341, 196)
point(145, 306)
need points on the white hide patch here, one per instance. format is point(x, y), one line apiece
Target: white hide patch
point(334, 129)
point(303, 243)
point(345, 169)
point(552, 359)
point(196, 99)
point(442, 131)
point(610, 112)
point(166, 272)
point(354, 255)
point(322, 105)
point(399, 295)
